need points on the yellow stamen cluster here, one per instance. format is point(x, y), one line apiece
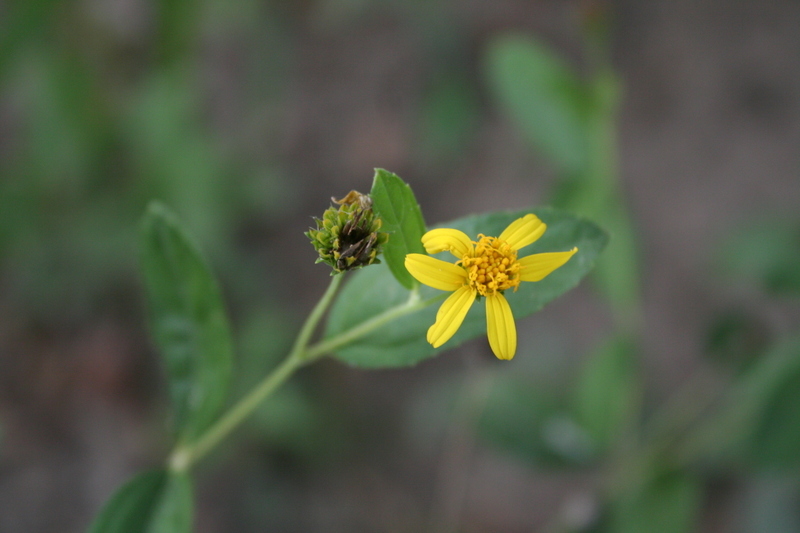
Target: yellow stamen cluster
point(492, 266)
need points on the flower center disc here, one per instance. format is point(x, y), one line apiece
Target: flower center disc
point(492, 267)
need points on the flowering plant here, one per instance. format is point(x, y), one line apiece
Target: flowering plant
point(381, 318)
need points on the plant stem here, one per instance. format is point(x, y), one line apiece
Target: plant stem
point(413, 304)
point(184, 456)
point(316, 314)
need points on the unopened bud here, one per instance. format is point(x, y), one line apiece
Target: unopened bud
point(348, 237)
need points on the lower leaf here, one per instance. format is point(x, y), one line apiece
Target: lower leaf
point(155, 501)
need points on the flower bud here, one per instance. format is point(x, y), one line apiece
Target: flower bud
point(348, 237)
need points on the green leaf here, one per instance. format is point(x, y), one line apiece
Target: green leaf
point(152, 502)
point(188, 321)
point(394, 202)
point(374, 290)
point(667, 504)
point(544, 96)
point(607, 390)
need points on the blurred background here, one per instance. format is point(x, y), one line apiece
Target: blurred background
point(661, 395)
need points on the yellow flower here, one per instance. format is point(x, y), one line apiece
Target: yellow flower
point(486, 267)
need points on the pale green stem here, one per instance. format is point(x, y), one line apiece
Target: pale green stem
point(413, 304)
point(313, 319)
point(184, 456)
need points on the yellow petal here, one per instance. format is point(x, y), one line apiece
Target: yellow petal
point(523, 231)
point(435, 272)
point(445, 239)
point(500, 326)
point(537, 266)
point(450, 316)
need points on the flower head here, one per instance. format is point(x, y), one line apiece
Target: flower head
point(347, 237)
point(484, 268)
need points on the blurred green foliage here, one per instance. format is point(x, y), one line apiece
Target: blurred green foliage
point(97, 120)
point(655, 484)
point(544, 96)
point(607, 393)
point(103, 108)
point(102, 125)
point(449, 116)
point(765, 252)
point(533, 423)
point(668, 503)
point(756, 424)
point(737, 337)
